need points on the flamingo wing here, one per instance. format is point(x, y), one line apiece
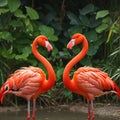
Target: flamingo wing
point(92, 82)
point(26, 82)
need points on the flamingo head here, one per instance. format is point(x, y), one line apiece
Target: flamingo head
point(43, 41)
point(76, 39)
point(4, 89)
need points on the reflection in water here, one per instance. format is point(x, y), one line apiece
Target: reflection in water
point(50, 115)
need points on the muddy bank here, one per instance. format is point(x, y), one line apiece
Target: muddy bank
point(100, 109)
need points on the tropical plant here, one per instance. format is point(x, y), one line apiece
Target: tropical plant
point(91, 22)
point(113, 57)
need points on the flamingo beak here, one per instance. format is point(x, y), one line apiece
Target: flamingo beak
point(49, 48)
point(49, 53)
point(1, 97)
point(70, 51)
point(71, 44)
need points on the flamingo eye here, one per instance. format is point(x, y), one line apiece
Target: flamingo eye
point(6, 87)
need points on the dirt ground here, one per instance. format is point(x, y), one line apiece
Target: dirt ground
point(100, 109)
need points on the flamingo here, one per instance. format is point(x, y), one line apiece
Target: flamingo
point(87, 81)
point(29, 82)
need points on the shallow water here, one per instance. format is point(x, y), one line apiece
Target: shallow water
point(50, 115)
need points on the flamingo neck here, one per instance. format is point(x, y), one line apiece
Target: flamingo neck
point(66, 74)
point(51, 74)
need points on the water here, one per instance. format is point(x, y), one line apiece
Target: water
point(50, 115)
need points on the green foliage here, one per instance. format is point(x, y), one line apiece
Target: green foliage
point(112, 62)
point(115, 28)
point(90, 24)
point(17, 33)
point(106, 21)
point(13, 5)
point(101, 14)
point(32, 13)
point(49, 32)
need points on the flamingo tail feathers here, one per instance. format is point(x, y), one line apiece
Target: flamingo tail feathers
point(117, 90)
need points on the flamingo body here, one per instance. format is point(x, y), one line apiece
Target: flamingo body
point(92, 82)
point(29, 82)
point(26, 82)
point(87, 81)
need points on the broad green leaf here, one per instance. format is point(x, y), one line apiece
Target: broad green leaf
point(91, 35)
point(86, 61)
point(14, 5)
point(16, 23)
point(8, 53)
point(3, 3)
point(87, 9)
point(102, 13)
point(28, 24)
point(32, 13)
point(3, 10)
point(26, 51)
point(73, 18)
point(93, 23)
point(27, 21)
point(92, 49)
point(45, 30)
point(23, 56)
point(84, 20)
point(30, 28)
point(101, 28)
point(53, 37)
point(6, 36)
point(19, 14)
point(75, 29)
point(33, 62)
point(59, 73)
point(116, 29)
point(107, 20)
point(48, 31)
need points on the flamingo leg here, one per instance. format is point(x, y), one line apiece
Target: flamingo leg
point(28, 110)
point(34, 109)
point(90, 110)
point(89, 115)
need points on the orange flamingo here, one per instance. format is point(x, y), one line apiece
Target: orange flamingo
point(87, 81)
point(29, 82)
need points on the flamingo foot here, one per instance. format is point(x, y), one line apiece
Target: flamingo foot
point(88, 117)
point(28, 117)
point(93, 116)
point(33, 117)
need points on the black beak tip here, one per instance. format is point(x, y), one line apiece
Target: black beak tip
point(49, 53)
point(70, 51)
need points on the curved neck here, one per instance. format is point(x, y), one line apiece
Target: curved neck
point(66, 74)
point(51, 74)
